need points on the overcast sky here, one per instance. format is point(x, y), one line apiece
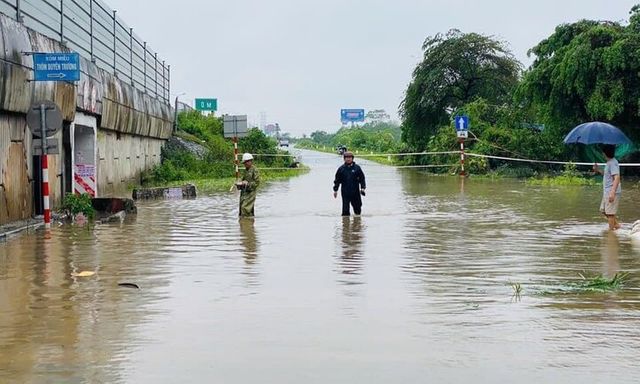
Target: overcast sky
point(301, 61)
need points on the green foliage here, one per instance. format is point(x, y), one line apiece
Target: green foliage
point(456, 69)
point(495, 131)
point(257, 142)
point(73, 204)
point(597, 284)
point(206, 128)
point(371, 137)
point(570, 176)
point(586, 71)
point(181, 165)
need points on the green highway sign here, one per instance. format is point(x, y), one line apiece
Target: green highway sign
point(207, 105)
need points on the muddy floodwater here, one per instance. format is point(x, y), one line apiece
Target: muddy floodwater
point(420, 289)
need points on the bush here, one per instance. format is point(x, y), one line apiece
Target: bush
point(570, 176)
point(179, 164)
point(73, 204)
point(371, 137)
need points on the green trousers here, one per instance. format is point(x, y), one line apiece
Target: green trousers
point(247, 202)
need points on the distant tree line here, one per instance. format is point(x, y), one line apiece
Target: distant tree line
point(585, 71)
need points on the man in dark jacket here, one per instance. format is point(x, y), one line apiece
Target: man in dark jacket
point(351, 177)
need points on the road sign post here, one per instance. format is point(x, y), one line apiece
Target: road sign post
point(45, 119)
point(45, 167)
point(235, 126)
point(462, 130)
point(56, 66)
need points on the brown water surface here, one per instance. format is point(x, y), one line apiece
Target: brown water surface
point(416, 290)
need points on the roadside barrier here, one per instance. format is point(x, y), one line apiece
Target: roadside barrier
point(543, 161)
point(456, 164)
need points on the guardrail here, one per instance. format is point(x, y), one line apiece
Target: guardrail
point(91, 28)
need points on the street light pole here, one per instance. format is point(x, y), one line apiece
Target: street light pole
point(175, 117)
point(175, 113)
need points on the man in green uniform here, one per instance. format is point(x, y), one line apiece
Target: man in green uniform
point(248, 186)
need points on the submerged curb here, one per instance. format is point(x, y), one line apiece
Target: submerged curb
point(6, 234)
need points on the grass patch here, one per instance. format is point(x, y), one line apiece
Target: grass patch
point(597, 284)
point(224, 183)
point(569, 177)
point(517, 291)
point(562, 180)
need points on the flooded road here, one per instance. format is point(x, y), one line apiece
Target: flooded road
point(419, 289)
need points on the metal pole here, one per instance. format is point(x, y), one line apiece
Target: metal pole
point(164, 81)
point(145, 67)
point(61, 21)
point(93, 59)
point(235, 150)
point(168, 81)
point(18, 11)
point(175, 117)
point(45, 166)
point(131, 54)
point(155, 66)
point(115, 39)
point(462, 173)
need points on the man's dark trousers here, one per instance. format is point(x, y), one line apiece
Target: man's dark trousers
point(351, 199)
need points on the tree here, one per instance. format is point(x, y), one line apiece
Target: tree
point(456, 69)
point(588, 70)
point(321, 137)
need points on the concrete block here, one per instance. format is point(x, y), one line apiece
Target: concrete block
point(185, 192)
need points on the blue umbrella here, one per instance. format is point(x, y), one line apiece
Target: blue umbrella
point(596, 133)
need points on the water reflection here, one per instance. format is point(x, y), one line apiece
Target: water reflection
point(415, 291)
point(610, 251)
point(351, 250)
point(248, 239)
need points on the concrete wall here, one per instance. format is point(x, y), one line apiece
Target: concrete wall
point(122, 159)
point(16, 169)
point(132, 126)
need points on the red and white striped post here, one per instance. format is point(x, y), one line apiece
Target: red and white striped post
point(462, 173)
point(45, 167)
point(235, 154)
point(45, 190)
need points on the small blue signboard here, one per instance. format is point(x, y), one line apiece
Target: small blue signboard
point(352, 115)
point(462, 123)
point(56, 66)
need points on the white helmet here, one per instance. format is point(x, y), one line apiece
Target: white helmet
point(246, 157)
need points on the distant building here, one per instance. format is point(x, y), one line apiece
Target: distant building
point(377, 116)
point(263, 120)
point(272, 129)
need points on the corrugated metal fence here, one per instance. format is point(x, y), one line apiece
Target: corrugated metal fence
point(91, 28)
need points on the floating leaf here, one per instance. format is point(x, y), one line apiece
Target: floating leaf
point(83, 274)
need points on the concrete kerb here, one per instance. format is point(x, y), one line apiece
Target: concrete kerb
point(9, 230)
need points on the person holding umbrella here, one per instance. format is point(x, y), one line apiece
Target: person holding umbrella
point(612, 188)
point(608, 136)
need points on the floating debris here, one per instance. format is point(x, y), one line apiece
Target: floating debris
point(517, 291)
point(129, 285)
point(83, 274)
point(598, 284)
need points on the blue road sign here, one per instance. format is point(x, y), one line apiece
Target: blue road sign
point(462, 123)
point(351, 115)
point(56, 67)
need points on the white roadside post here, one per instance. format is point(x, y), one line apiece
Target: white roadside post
point(462, 130)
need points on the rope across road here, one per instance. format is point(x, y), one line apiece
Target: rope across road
point(469, 154)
